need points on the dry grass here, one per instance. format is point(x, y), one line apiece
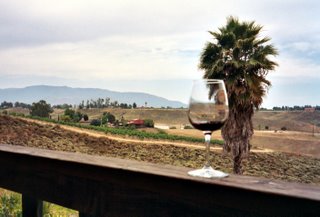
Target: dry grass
point(284, 141)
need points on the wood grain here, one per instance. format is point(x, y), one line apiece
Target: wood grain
point(100, 186)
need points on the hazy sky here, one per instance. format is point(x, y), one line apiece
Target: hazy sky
point(151, 46)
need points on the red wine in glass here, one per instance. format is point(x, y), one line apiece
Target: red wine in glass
point(208, 110)
point(208, 126)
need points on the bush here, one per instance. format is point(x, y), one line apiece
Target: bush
point(108, 117)
point(5, 112)
point(95, 122)
point(74, 116)
point(85, 117)
point(10, 204)
point(148, 123)
point(21, 115)
point(266, 127)
point(187, 127)
point(131, 127)
point(69, 112)
point(13, 113)
point(41, 109)
point(172, 128)
point(65, 118)
point(162, 132)
point(283, 128)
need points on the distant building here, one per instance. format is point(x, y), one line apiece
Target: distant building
point(136, 122)
point(309, 109)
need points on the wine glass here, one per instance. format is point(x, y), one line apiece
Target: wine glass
point(208, 110)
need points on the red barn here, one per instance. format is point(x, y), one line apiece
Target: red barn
point(136, 122)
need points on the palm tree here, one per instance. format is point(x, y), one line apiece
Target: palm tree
point(241, 58)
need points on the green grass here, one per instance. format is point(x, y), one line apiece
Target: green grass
point(11, 206)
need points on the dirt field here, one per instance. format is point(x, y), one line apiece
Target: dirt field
point(283, 166)
point(284, 141)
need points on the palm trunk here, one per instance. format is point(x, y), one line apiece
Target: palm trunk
point(237, 133)
point(237, 167)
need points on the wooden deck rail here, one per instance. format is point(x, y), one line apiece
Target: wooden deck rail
point(100, 186)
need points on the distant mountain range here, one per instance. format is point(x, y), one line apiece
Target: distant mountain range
point(63, 94)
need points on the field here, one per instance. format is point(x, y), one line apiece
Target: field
point(284, 141)
point(292, 121)
point(275, 165)
point(301, 137)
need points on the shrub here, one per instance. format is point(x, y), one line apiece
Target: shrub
point(283, 128)
point(65, 118)
point(132, 127)
point(148, 123)
point(95, 122)
point(187, 127)
point(74, 116)
point(21, 115)
point(172, 128)
point(108, 117)
point(162, 132)
point(85, 117)
point(10, 204)
point(41, 109)
point(69, 112)
point(5, 112)
point(266, 127)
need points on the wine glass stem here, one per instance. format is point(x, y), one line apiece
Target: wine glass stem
point(207, 138)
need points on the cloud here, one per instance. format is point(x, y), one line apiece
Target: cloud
point(113, 57)
point(37, 22)
point(296, 66)
point(145, 40)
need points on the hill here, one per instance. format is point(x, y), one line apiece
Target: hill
point(293, 120)
point(63, 94)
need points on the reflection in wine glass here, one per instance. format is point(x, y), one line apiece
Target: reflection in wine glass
point(208, 110)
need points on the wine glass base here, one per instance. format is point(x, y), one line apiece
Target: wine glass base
point(208, 172)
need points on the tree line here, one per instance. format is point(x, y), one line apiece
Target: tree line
point(98, 103)
point(104, 103)
point(294, 108)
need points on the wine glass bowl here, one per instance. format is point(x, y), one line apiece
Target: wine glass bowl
point(208, 110)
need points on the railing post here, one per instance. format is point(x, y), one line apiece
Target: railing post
point(31, 207)
point(81, 214)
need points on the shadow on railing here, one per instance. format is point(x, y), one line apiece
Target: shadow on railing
point(100, 186)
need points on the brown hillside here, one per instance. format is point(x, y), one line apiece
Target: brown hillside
point(293, 121)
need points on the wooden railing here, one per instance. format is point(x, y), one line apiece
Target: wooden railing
point(100, 186)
